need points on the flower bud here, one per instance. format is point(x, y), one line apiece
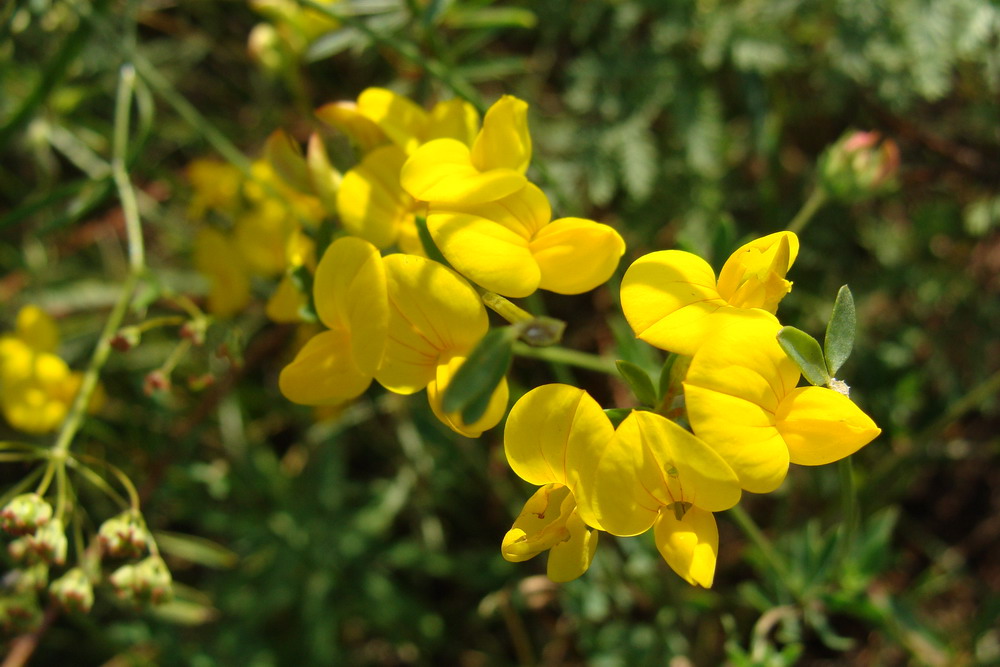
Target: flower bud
point(73, 591)
point(20, 612)
point(20, 550)
point(25, 513)
point(148, 581)
point(49, 542)
point(155, 382)
point(125, 339)
point(194, 330)
point(857, 166)
point(124, 536)
point(33, 578)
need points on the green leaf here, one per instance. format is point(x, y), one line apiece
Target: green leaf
point(427, 241)
point(638, 380)
point(470, 390)
point(840, 331)
point(196, 550)
point(617, 415)
point(805, 351)
point(665, 376)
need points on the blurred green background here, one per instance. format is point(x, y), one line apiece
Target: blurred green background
point(373, 538)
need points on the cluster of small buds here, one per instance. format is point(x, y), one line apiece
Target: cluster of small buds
point(124, 535)
point(49, 542)
point(25, 514)
point(73, 591)
point(145, 582)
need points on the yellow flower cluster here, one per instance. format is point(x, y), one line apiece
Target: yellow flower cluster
point(264, 218)
point(748, 420)
point(407, 321)
point(36, 386)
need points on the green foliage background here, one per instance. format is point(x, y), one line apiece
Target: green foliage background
point(374, 539)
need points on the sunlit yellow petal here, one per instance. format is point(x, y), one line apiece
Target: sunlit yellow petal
point(821, 426)
point(754, 275)
point(504, 141)
point(442, 171)
point(524, 212)
point(488, 254)
point(682, 468)
point(494, 411)
point(690, 545)
point(553, 434)
point(667, 298)
point(324, 371)
point(625, 493)
point(434, 314)
point(401, 119)
point(346, 117)
point(351, 293)
point(570, 559)
point(371, 202)
point(576, 255)
point(453, 119)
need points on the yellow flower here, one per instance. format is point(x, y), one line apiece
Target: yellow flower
point(215, 257)
point(36, 386)
point(216, 185)
point(671, 298)
point(436, 318)
point(653, 473)
point(509, 246)
point(287, 301)
point(338, 364)
point(448, 170)
point(742, 400)
point(553, 438)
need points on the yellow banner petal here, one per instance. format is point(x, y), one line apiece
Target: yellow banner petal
point(361, 130)
point(554, 433)
point(690, 545)
point(402, 120)
point(821, 426)
point(667, 298)
point(576, 255)
point(453, 119)
point(504, 141)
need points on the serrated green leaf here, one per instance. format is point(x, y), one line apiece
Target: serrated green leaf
point(470, 389)
point(639, 381)
point(840, 331)
point(805, 351)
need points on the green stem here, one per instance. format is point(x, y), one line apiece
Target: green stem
point(119, 156)
point(815, 201)
point(562, 355)
point(757, 536)
point(848, 492)
point(505, 308)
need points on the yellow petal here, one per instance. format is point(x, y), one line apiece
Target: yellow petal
point(494, 411)
point(570, 559)
point(442, 171)
point(453, 119)
point(667, 298)
point(351, 293)
point(754, 275)
point(37, 328)
point(821, 426)
point(285, 303)
point(346, 117)
point(215, 256)
point(524, 212)
point(434, 314)
point(554, 434)
point(679, 466)
point(576, 255)
point(504, 141)
point(324, 371)
point(541, 524)
point(402, 120)
point(371, 202)
point(690, 545)
point(732, 390)
point(488, 254)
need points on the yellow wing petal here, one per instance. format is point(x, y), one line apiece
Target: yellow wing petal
point(403, 121)
point(821, 426)
point(576, 255)
point(324, 371)
point(371, 202)
point(442, 171)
